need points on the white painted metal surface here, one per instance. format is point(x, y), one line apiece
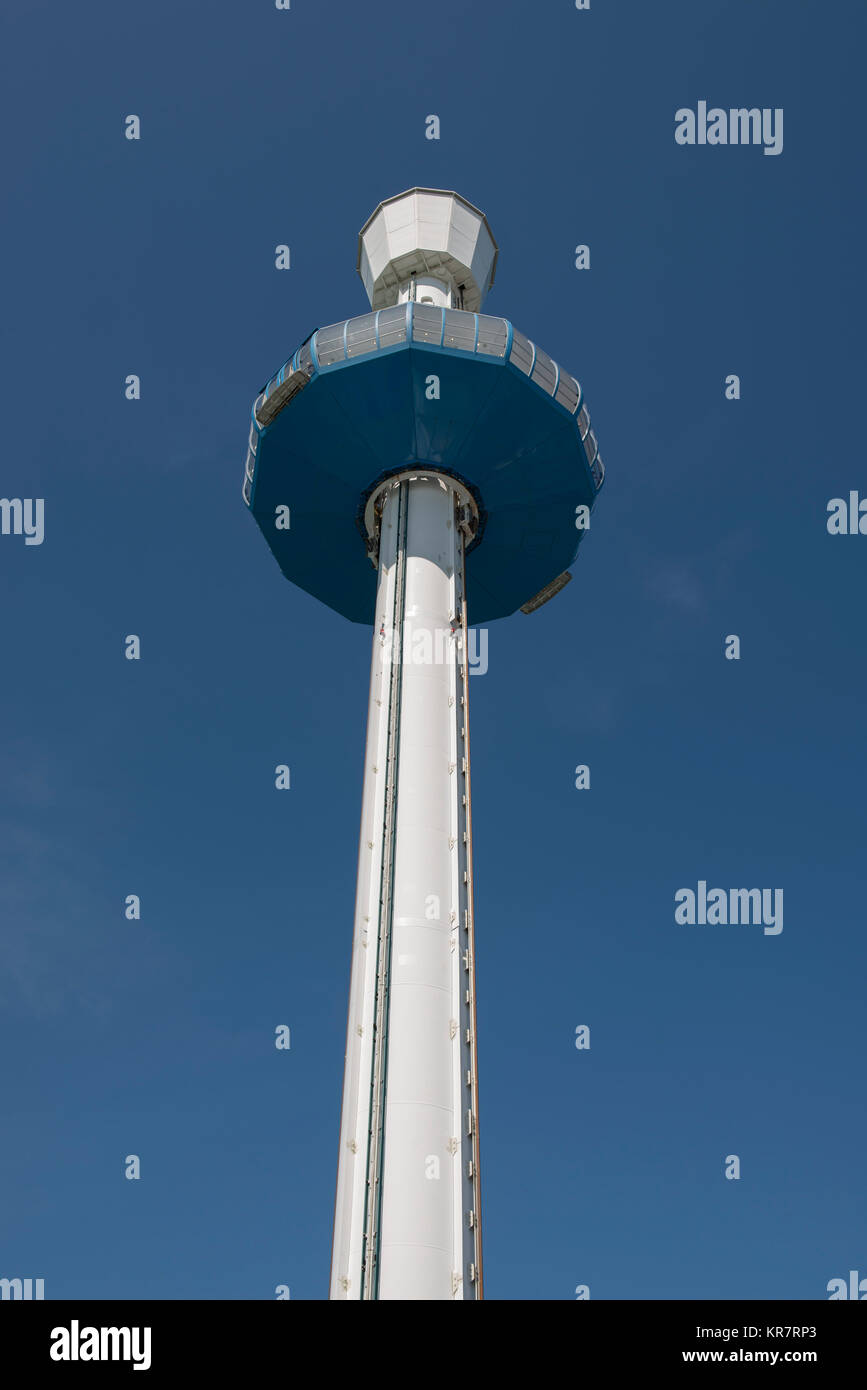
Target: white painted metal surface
point(427, 232)
point(407, 1218)
point(426, 289)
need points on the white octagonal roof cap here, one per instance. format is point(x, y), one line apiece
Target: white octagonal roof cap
point(426, 231)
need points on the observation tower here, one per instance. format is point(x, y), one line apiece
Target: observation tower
point(422, 466)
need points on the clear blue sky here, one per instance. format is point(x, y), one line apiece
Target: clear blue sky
point(156, 777)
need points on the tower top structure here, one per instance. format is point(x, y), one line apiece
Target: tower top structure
point(428, 245)
point(414, 383)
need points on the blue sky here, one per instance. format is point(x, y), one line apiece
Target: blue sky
point(603, 1167)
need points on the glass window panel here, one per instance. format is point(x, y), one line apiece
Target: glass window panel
point(460, 330)
point(329, 344)
point(427, 323)
point(493, 334)
point(522, 352)
point(544, 372)
point(392, 325)
point(567, 392)
point(360, 335)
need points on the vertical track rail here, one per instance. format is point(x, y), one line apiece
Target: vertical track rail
point(370, 1266)
point(471, 936)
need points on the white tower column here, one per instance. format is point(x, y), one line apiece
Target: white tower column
point(428, 289)
point(407, 1209)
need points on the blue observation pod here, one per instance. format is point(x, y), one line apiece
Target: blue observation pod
point(423, 381)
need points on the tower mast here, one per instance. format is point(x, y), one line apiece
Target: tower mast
point(465, 457)
point(407, 1211)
